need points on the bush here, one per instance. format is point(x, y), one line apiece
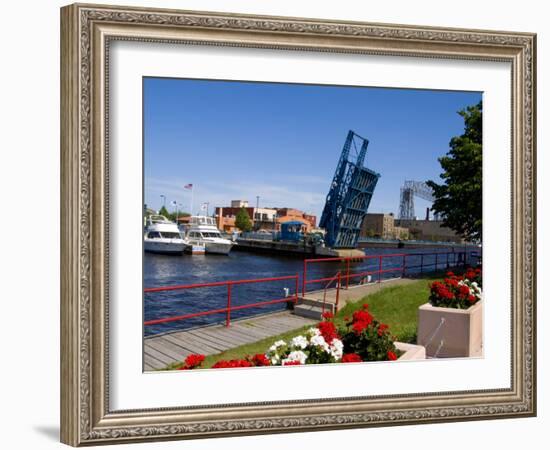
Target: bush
point(366, 337)
point(459, 292)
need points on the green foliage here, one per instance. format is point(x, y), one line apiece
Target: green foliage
point(242, 221)
point(459, 199)
point(173, 216)
point(369, 232)
point(164, 212)
point(367, 337)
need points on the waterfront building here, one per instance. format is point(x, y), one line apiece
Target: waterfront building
point(378, 225)
point(268, 219)
point(429, 230)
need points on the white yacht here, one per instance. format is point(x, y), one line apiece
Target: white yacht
point(163, 236)
point(203, 231)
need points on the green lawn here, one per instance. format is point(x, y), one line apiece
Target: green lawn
point(396, 306)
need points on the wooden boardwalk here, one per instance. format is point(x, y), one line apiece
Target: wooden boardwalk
point(162, 350)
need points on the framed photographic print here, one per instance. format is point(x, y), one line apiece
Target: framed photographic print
point(278, 224)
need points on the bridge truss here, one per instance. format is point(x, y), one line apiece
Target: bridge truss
point(349, 195)
point(409, 190)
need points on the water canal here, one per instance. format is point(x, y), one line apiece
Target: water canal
point(166, 270)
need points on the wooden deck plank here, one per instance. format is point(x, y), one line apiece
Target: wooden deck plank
point(165, 359)
point(151, 363)
point(229, 336)
point(168, 348)
point(215, 342)
point(272, 329)
point(184, 338)
point(159, 351)
point(259, 333)
point(189, 344)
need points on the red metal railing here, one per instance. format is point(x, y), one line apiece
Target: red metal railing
point(457, 258)
point(340, 277)
point(229, 307)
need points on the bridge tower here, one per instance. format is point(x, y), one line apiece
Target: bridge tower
point(349, 195)
point(409, 190)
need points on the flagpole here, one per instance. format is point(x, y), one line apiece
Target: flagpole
point(192, 189)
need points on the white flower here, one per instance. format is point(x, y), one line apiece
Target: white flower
point(294, 356)
point(279, 344)
point(319, 341)
point(337, 348)
point(299, 341)
point(313, 332)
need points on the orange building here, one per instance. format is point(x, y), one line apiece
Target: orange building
point(269, 219)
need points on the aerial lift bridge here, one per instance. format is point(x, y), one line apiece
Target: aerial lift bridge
point(409, 190)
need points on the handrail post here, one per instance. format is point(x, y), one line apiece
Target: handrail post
point(296, 291)
point(228, 316)
point(338, 291)
point(304, 275)
point(347, 275)
point(379, 268)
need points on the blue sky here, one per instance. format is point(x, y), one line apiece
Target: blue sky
point(239, 140)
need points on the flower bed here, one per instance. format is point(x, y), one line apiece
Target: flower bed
point(361, 338)
point(451, 323)
point(455, 291)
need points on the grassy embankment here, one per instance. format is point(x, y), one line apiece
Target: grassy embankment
point(396, 306)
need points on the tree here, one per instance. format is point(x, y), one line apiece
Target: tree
point(164, 212)
point(242, 221)
point(173, 216)
point(458, 199)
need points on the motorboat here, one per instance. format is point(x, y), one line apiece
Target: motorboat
point(163, 236)
point(202, 231)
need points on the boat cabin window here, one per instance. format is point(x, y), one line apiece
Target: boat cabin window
point(169, 235)
point(153, 235)
point(211, 234)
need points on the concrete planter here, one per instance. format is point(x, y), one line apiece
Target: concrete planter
point(411, 351)
point(451, 332)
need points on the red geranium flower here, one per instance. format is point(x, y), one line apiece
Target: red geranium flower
point(464, 291)
point(351, 358)
point(382, 329)
point(361, 320)
point(192, 361)
point(327, 315)
point(365, 305)
point(260, 360)
point(328, 331)
point(391, 355)
point(292, 363)
point(224, 364)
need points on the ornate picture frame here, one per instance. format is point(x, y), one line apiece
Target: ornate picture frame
point(86, 34)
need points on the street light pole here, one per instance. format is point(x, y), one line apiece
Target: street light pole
point(256, 225)
point(163, 200)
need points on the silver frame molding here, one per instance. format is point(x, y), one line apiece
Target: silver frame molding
point(86, 31)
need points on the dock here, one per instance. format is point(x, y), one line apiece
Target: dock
point(168, 348)
point(161, 350)
point(287, 248)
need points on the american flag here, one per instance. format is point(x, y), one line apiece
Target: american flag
point(188, 186)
